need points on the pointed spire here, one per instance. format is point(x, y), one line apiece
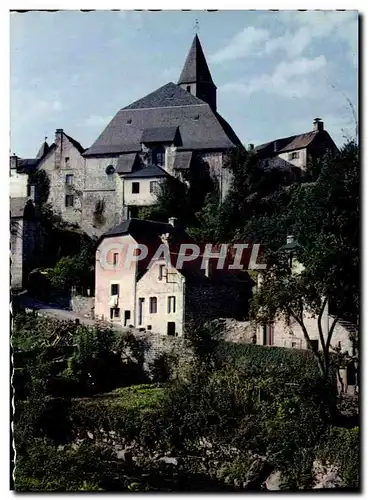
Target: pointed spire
point(43, 149)
point(195, 68)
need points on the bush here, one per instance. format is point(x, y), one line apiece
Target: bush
point(341, 447)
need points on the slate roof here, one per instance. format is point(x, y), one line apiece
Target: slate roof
point(195, 68)
point(291, 143)
point(27, 164)
point(75, 143)
point(150, 171)
point(125, 163)
point(157, 134)
point(182, 160)
point(43, 150)
point(146, 228)
point(199, 127)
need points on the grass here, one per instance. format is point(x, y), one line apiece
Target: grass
point(136, 397)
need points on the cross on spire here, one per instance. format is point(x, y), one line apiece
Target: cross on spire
point(196, 27)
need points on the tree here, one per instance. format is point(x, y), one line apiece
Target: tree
point(284, 295)
point(324, 217)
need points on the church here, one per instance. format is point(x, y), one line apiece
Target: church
point(162, 134)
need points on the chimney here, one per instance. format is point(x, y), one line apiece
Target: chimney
point(289, 239)
point(13, 161)
point(58, 134)
point(317, 124)
point(172, 221)
point(275, 146)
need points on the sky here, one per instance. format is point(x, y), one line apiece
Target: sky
point(274, 71)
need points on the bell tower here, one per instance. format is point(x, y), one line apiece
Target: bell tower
point(196, 77)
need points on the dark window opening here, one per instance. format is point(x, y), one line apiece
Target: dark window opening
point(153, 305)
point(149, 327)
point(268, 334)
point(294, 155)
point(171, 328)
point(69, 200)
point(126, 317)
point(114, 289)
point(69, 179)
point(114, 312)
point(158, 156)
point(161, 270)
point(140, 310)
point(188, 88)
point(135, 187)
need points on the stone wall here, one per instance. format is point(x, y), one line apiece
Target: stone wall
point(102, 188)
point(218, 171)
point(18, 183)
point(61, 161)
point(83, 306)
point(209, 301)
point(16, 247)
point(291, 335)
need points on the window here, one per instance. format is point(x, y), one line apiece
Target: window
point(268, 334)
point(158, 156)
point(135, 187)
point(140, 310)
point(161, 270)
point(114, 289)
point(153, 187)
point(188, 88)
point(115, 259)
point(69, 200)
point(28, 190)
point(149, 327)
point(294, 155)
point(153, 305)
point(67, 160)
point(114, 312)
point(69, 179)
point(171, 304)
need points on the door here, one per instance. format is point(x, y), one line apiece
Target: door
point(171, 328)
point(126, 317)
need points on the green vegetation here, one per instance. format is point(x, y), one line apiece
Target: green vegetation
point(83, 411)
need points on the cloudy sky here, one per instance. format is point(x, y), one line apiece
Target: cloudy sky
point(275, 71)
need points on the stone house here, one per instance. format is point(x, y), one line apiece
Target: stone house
point(296, 152)
point(163, 133)
point(24, 238)
point(284, 333)
point(159, 297)
point(167, 132)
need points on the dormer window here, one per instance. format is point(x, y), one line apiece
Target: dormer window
point(294, 155)
point(158, 156)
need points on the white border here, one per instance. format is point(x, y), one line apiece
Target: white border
point(5, 6)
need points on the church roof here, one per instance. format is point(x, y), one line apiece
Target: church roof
point(195, 67)
point(157, 134)
point(43, 150)
point(169, 106)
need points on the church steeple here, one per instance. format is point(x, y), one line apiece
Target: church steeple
point(196, 77)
